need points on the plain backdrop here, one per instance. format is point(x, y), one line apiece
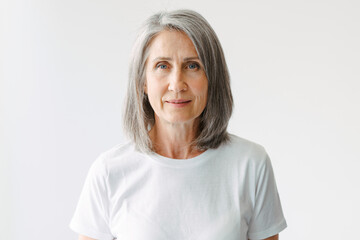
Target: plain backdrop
point(295, 78)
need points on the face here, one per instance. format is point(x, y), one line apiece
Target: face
point(176, 83)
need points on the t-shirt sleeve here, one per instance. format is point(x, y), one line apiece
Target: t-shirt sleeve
point(91, 217)
point(267, 219)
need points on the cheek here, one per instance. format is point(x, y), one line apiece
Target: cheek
point(155, 92)
point(200, 89)
point(153, 88)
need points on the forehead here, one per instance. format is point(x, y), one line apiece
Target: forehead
point(171, 43)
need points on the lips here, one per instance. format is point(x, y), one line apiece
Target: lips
point(178, 101)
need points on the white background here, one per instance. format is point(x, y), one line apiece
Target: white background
point(295, 76)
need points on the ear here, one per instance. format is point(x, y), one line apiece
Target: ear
point(145, 88)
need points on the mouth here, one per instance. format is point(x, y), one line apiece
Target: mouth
point(178, 101)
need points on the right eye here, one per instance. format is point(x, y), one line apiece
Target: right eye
point(162, 66)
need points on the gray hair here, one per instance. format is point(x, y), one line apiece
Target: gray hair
point(139, 115)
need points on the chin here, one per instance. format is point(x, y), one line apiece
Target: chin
point(180, 120)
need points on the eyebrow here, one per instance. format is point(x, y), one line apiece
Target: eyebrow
point(169, 59)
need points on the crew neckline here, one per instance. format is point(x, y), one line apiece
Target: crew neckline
point(179, 163)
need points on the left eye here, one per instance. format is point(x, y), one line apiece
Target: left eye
point(193, 66)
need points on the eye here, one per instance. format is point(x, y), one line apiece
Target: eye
point(193, 66)
point(161, 66)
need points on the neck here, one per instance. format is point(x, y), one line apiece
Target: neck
point(175, 140)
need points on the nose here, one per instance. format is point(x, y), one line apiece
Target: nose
point(177, 82)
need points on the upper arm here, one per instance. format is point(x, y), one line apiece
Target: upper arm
point(82, 237)
point(91, 217)
point(267, 217)
point(275, 237)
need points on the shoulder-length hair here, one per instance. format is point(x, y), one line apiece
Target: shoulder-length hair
point(139, 115)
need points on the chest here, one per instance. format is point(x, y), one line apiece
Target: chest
point(162, 204)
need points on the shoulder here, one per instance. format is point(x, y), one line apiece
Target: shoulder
point(121, 149)
point(246, 148)
point(244, 153)
point(121, 157)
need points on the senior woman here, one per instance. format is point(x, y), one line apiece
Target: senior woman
point(182, 175)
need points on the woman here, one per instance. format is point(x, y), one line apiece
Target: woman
point(182, 176)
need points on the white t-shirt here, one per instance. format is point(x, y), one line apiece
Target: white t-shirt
point(228, 193)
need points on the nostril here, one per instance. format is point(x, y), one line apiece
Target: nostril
point(177, 87)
